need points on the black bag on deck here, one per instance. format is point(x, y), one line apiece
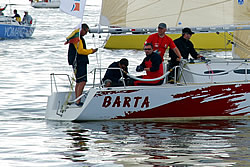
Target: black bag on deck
point(71, 54)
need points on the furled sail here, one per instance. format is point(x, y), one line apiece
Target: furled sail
point(176, 13)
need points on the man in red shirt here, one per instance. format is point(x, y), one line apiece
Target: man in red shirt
point(161, 42)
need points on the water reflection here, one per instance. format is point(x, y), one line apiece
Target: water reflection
point(130, 143)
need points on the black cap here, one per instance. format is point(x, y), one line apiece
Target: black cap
point(162, 25)
point(187, 31)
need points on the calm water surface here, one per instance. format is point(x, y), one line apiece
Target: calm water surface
point(28, 140)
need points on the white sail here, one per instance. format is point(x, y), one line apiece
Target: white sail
point(176, 13)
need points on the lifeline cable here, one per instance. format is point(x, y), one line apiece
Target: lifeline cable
point(164, 75)
point(215, 74)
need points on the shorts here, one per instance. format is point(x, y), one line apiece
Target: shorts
point(81, 72)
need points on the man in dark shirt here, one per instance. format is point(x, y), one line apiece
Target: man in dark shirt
point(17, 16)
point(185, 46)
point(112, 76)
point(153, 66)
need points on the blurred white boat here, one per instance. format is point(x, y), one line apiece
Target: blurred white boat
point(45, 3)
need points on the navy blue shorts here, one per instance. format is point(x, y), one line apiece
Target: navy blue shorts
point(81, 72)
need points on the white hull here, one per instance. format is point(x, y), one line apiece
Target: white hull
point(154, 102)
point(55, 4)
point(226, 95)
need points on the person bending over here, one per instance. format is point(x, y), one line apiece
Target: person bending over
point(112, 76)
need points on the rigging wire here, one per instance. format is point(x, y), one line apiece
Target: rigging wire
point(94, 42)
point(241, 44)
point(239, 40)
point(98, 56)
point(234, 40)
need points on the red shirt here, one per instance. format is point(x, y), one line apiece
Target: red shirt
point(148, 63)
point(154, 74)
point(160, 44)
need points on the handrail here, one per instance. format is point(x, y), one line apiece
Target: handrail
point(153, 79)
point(216, 74)
point(221, 73)
point(53, 81)
point(174, 68)
point(53, 78)
point(113, 68)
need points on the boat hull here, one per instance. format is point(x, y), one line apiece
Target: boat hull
point(8, 31)
point(152, 102)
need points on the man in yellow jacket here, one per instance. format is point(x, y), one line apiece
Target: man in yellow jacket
point(78, 58)
point(17, 17)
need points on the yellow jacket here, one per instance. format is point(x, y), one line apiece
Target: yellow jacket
point(18, 19)
point(81, 50)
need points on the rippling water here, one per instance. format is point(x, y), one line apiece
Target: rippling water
point(27, 139)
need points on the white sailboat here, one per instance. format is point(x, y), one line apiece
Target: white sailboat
point(211, 89)
point(45, 3)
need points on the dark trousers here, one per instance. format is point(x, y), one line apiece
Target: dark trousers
point(172, 73)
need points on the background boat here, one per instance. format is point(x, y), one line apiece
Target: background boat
point(45, 3)
point(11, 29)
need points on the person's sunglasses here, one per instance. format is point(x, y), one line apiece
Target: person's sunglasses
point(147, 49)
